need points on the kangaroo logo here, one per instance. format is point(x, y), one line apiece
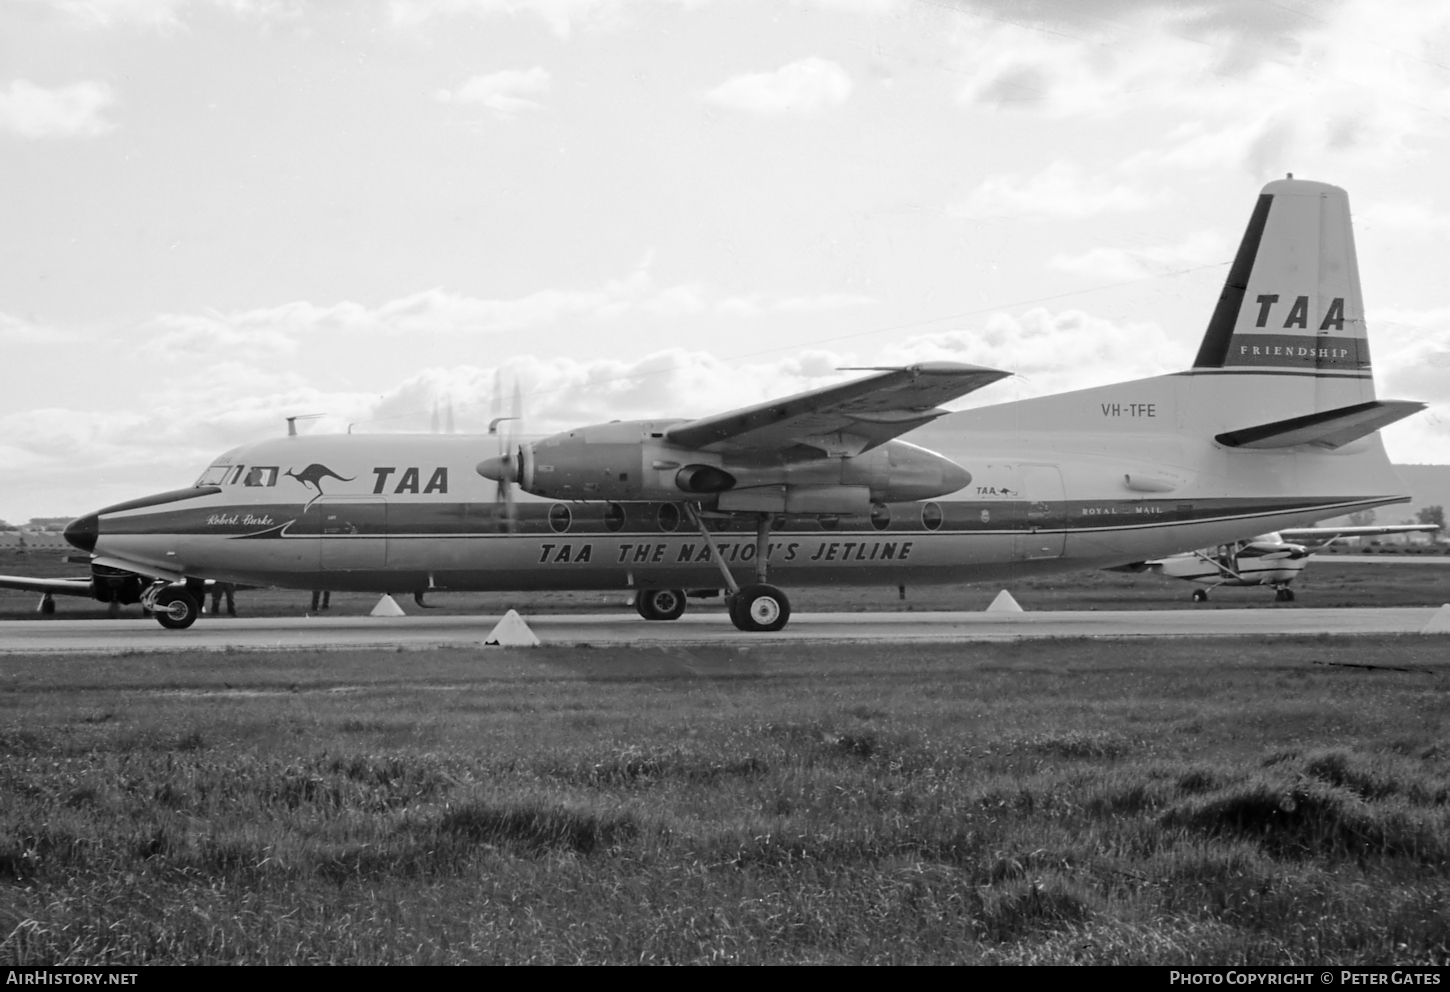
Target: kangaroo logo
point(312, 477)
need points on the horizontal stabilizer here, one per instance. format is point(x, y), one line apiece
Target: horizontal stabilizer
point(1329, 429)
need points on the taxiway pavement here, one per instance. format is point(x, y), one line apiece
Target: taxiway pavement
point(422, 632)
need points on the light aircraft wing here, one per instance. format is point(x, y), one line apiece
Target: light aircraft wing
point(1367, 530)
point(56, 587)
point(844, 419)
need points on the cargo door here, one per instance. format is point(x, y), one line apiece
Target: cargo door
point(353, 532)
point(1044, 534)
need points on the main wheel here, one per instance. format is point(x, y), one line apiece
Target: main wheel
point(1284, 594)
point(660, 604)
point(176, 609)
point(1200, 595)
point(760, 608)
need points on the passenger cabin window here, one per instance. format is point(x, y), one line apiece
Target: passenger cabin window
point(213, 476)
point(259, 475)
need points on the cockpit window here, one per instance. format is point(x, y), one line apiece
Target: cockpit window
point(213, 476)
point(260, 475)
point(236, 475)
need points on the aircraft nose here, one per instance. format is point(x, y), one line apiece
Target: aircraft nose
point(83, 531)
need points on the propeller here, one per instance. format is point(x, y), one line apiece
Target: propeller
point(503, 468)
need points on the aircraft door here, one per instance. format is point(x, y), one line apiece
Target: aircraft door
point(353, 532)
point(1046, 512)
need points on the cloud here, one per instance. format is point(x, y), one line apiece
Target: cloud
point(1059, 192)
point(273, 331)
point(1256, 88)
point(802, 87)
point(506, 93)
point(72, 111)
point(14, 331)
point(560, 16)
point(165, 15)
point(1203, 248)
point(1402, 215)
point(1050, 352)
point(212, 333)
point(1411, 354)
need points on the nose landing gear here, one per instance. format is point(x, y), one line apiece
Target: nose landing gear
point(660, 604)
point(174, 607)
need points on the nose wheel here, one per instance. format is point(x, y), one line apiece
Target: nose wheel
point(176, 609)
point(660, 604)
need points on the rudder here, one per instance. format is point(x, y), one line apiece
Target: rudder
point(1292, 302)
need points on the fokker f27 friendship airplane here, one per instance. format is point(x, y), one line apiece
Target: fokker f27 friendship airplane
point(1274, 426)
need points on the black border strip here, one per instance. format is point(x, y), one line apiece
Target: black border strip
point(1214, 349)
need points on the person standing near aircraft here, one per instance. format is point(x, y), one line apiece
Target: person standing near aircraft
point(223, 589)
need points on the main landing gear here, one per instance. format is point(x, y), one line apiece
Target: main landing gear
point(1200, 595)
point(1283, 594)
point(759, 607)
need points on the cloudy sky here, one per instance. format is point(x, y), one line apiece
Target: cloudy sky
point(217, 213)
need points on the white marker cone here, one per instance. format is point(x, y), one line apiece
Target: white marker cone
point(387, 607)
point(1004, 603)
point(512, 632)
point(1440, 622)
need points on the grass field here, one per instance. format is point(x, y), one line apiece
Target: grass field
point(1255, 800)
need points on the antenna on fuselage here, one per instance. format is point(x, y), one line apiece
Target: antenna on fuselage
point(292, 421)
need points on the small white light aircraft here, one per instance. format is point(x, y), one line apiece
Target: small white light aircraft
point(1274, 426)
point(1273, 560)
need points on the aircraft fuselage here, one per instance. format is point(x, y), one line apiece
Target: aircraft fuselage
point(403, 513)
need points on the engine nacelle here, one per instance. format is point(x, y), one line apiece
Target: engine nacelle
point(632, 460)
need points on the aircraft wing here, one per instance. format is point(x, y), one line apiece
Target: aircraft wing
point(1366, 530)
point(845, 419)
point(58, 587)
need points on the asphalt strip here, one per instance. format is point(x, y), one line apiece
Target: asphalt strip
point(420, 633)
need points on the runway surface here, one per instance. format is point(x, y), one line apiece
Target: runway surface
point(333, 633)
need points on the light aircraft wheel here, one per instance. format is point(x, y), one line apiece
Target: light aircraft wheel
point(660, 604)
point(113, 608)
point(1200, 595)
point(47, 605)
point(760, 608)
point(1284, 594)
point(176, 610)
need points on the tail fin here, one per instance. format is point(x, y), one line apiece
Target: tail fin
point(1292, 302)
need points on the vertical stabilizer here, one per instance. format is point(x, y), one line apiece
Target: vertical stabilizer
point(1292, 303)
